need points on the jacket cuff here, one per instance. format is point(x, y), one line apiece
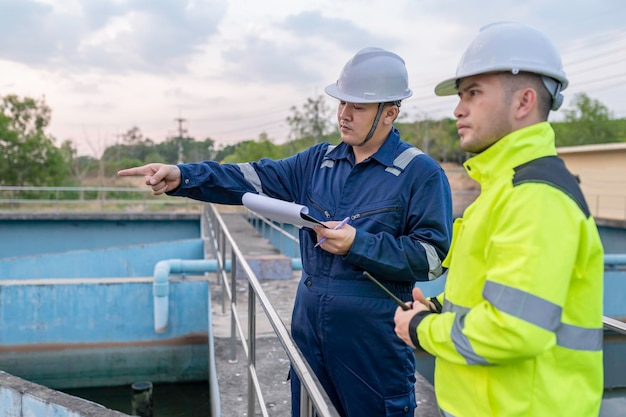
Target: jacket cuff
point(415, 321)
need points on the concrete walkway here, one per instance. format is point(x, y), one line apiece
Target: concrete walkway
point(271, 360)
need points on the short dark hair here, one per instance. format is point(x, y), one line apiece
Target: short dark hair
point(516, 82)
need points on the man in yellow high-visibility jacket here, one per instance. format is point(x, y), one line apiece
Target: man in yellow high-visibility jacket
point(518, 329)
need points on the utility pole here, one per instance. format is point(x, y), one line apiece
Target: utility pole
point(181, 132)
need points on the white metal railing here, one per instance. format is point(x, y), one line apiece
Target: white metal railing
point(267, 227)
point(29, 198)
point(314, 400)
point(615, 325)
point(287, 243)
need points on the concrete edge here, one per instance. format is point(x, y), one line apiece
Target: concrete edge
point(45, 397)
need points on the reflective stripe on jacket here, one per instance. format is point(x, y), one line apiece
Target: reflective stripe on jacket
point(521, 329)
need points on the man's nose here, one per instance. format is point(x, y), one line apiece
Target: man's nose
point(345, 113)
point(459, 110)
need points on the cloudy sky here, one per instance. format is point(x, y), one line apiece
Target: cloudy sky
point(233, 68)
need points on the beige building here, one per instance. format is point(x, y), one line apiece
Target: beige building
point(601, 169)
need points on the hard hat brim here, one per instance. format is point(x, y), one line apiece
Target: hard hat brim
point(334, 92)
point(447, 87)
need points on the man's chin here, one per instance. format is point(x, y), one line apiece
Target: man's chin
point(468, 148)
point(350, 139)
point(463, 144)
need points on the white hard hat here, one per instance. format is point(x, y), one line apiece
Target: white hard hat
point(514, 47)
point(373, 75)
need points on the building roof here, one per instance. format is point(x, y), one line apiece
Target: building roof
point(598, 147)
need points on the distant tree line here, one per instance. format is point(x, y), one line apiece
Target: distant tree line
point(29, 156)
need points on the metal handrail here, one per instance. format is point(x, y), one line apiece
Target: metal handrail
point(255, 218)
point(44, 198)
point(315, 401)
point(615, 325)
point(62, 188)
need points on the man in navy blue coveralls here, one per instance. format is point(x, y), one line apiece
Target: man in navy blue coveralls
point(399, 204)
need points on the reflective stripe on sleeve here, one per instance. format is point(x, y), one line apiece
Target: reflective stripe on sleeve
point(449, 307)
point(434, 263)
point(544, 314)
point(579, 338)
point(250, 175)
point(523, 305)
point(529, 308)
point(462, 344)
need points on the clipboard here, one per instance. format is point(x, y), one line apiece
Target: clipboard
point(280, 210)
point(312, 219)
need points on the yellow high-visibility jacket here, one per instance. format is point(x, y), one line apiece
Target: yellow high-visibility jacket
point(520, 333)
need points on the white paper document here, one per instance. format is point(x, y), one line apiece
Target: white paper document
point(279, 210)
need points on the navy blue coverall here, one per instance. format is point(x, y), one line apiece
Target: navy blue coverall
point(399, 203)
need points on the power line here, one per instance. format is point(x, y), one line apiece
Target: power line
point(620, 48)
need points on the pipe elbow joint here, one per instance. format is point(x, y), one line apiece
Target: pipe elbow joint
point(160, 292)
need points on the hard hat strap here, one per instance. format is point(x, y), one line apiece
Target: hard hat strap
point(374, 125)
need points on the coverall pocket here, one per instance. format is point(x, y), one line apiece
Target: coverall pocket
point(400, 405)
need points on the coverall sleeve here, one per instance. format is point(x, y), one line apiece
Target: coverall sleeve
point(527, 279)
point(417, 253)
point(213, 182)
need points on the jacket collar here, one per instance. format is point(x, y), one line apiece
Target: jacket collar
point(385, 155)
point(512, 150)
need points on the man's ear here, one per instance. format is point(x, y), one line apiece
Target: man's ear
point(526, 103)
point(390, 114)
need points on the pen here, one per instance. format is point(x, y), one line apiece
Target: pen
point(339, 226)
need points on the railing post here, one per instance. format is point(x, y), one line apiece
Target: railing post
point(306, 406)
point(222, 235)
point(251, 348)
point(233, 292)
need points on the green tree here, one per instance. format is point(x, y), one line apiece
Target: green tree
point(226, 150)
point(439, 137)
point(587, 121)
point(253, 150)
point(132, 146)
point(200, 150)
point(79, 167)
point(312, 121)
point(173, 149)
point(28, 155)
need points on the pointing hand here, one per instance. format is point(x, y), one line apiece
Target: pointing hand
point(160, 177)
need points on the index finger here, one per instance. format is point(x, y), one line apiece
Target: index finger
point(136, 171)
